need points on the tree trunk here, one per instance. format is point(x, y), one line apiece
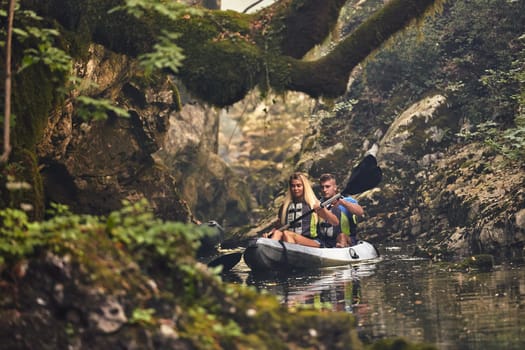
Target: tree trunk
point(7, 100)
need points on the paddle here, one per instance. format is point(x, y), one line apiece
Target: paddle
point(228, 261)
point(366, 175)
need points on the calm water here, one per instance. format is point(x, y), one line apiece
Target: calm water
point(402, 296)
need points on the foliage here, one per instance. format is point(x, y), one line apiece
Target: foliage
point(472, 54)
point(206, 329)
point(17, 239)
point(346, 106)
point(509, 142)
point(507, 93)
point(134, 228)
point(142, 316)
point(89, 108)
point(144, 236)
point(41, 46)
point(39, 42)
point(166, 54)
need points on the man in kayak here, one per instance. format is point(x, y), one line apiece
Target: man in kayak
point(347, 211)
point(296, 210)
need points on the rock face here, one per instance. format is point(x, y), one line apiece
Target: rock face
point(165, 151)
point(474, 199)
point(456, 198)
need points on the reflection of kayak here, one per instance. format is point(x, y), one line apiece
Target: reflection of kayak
point(268, 254)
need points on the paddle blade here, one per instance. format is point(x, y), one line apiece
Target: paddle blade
point(228, 261)
point(366, 175)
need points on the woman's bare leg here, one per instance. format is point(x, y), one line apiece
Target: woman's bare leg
point(288, 236)
point(277, 235)
point(298, 239)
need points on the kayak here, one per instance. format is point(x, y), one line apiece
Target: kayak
point(269, 254)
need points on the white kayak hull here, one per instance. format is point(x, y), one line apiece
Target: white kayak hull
point(267, 254)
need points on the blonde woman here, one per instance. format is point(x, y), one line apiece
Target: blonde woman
point(300, 199)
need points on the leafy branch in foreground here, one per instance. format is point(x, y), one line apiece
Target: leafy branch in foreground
point(89, 108)
point(39, 42)
point(145, 236)
point(133, 228)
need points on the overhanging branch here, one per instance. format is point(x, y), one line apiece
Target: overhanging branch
point(328, 76)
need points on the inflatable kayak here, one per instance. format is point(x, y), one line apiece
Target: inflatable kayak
point(268, 254)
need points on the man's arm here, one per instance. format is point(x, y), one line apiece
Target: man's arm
point(326, 214)
point(352, 207)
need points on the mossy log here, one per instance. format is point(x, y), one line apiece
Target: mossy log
point(229, 53)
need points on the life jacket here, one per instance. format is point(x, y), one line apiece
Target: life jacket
point(347, 224)
point(307, 226)
point(348, 221)
point(327, 231)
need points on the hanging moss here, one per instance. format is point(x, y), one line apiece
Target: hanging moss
point(177, 102)
point(222, 61)
point(36, 91)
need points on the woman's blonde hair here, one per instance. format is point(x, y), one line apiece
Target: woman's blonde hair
point(308, 195)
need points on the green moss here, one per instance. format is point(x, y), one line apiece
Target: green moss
point(36, 91)
point(220, 83)
point(208, 314)
point(177, 102)
point(483, 262)
point(220, 53)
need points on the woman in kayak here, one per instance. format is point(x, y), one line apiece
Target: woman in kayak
point(296, 210)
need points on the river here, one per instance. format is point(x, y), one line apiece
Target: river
point(399, 295)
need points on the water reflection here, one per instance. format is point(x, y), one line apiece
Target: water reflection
point(335, 289)
point(402, 296)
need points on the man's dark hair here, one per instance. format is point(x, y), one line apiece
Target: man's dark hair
point(326, 177)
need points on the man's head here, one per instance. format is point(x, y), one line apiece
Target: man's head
point(328, 185)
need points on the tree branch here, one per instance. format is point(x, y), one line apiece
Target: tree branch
point(228, 55)
point(328, 76)
point(252, 5)
point(307, 24)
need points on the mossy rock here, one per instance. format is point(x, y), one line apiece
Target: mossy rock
point(482, 262)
